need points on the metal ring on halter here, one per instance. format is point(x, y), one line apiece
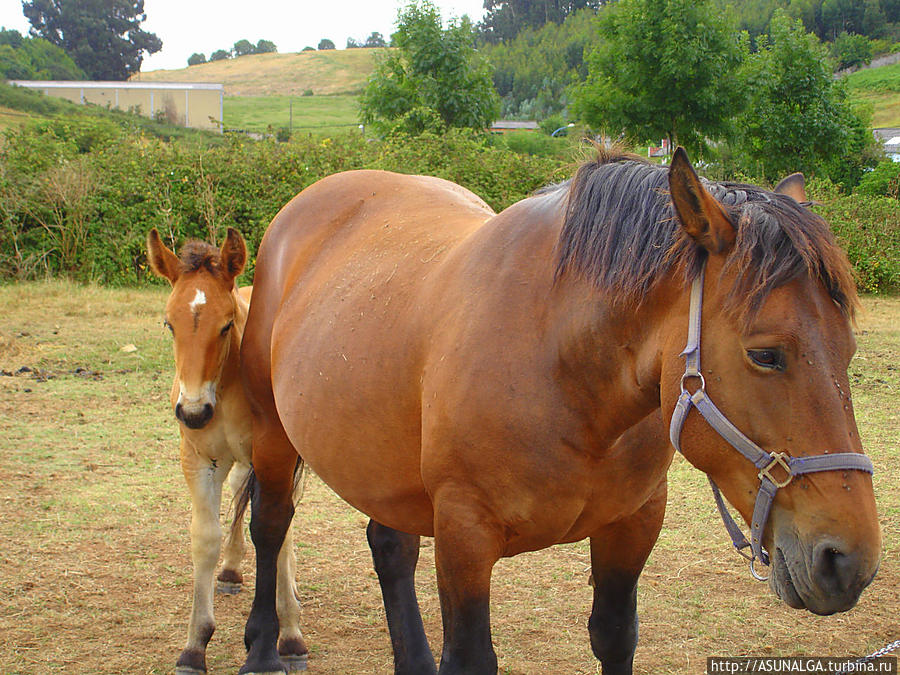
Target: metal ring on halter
point(687, 375)
point(755, 574)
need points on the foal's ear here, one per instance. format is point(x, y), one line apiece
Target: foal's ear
point(793, 186)
point(233, 255)
point(162, 261)
point(702, 217)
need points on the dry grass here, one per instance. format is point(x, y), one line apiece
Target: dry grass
point(94, 557)
point(333, 71)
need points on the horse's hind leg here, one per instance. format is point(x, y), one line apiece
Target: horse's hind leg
point(395, 555)
point(204, 481)
point(618, 554)
point(230, 579)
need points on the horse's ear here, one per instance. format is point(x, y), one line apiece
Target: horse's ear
point(233, 255)
point(162, 261)
point(702, 217)
point(793, 186)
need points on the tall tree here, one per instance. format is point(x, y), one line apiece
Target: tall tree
point(34, 59)
point(433, 79)
point(798, 117)
point(662, 69)
point(103, 37)
point(504, 19)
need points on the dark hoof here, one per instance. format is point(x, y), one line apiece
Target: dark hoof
point(295, 663)
point(191, 662)
point(227, 587)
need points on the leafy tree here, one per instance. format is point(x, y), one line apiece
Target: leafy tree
point(376, 39)
point(242, 48)
point(307, 48)
point(325, 43)
point(196, 59)
point(103, 37)
point(533, 71)
point(34, 59)
point(662, 68)
point(506, 18)
point(352, 43)
point(851, 50)
point(798, 117)
point(265, 47)
point(219, 55)
point(434, 79)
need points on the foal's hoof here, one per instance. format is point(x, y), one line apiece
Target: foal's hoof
point(295, 663)
point(228, 587)
point(187, 670)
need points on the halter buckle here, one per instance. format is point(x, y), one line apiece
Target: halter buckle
point(778, 459)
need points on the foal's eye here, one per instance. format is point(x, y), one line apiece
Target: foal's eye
point(169, 326)
point(227, 328)
point(771, 359)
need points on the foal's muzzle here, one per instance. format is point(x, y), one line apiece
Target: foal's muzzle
point(194, 417)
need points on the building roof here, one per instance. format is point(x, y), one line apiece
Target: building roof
point(82, 84)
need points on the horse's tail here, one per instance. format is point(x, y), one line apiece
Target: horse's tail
point(245, 494)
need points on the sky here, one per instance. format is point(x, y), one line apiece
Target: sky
point(188, 26)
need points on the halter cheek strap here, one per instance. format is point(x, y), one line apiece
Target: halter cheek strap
point(775, 469)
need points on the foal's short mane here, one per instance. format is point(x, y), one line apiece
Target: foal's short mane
point(621, 232)
point(197, 255)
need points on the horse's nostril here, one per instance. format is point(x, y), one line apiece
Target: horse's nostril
point(179, 411)
point(835, 570)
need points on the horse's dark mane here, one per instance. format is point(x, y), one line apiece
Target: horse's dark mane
point(621, 232)
point(196, 255)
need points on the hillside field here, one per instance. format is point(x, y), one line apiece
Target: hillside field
point(880, 88)
point(329, 72)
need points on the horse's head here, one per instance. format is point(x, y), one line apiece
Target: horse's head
point(200, 313)
point(774, 345)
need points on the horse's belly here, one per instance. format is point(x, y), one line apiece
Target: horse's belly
point(349, 404)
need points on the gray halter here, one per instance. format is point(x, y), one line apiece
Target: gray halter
point(766, 462)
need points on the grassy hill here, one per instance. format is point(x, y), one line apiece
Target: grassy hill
point(880, 88)
point(329, 72)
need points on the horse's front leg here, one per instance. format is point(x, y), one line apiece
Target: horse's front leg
point(204, 479)
point(271, 512)
point(466, 548)
point(618, 554)
point(230, 579)
point(395, 555)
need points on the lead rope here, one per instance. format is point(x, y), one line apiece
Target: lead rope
point(887, 649)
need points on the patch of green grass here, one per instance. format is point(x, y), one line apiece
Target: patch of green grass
point(885, 78)
point(311, 114)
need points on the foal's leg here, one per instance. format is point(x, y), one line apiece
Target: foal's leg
point(230, 578)
point(466, 549)
point(291, 647)
point(618, 554)
point(272, 508)
point(395, 555)
point(204, 481)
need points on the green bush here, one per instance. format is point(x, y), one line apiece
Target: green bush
point(77, 196)
point(882, 181)
point(868, 229)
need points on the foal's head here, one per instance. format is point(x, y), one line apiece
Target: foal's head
point(200, 313)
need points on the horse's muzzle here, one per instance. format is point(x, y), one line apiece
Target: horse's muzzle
point(194, 417)
point(825, 579)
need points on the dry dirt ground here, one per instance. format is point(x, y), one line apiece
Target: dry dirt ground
point(94, 557)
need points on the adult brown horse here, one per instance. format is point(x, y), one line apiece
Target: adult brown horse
point(206, 314)
point(504, 383)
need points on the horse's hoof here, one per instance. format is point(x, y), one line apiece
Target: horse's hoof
point(227, 587)
point(295, 662)
point(187, 670)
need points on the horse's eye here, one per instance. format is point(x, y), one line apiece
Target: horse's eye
point(169, 326)
point(771, 359)
point(227, 328)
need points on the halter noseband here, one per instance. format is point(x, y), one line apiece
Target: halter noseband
point(768, 463)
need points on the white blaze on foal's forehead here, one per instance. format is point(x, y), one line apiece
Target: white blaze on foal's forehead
point(198, 301)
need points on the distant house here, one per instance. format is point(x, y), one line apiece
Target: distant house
point(891, 140)
point(198, 105)
point(502, 126)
